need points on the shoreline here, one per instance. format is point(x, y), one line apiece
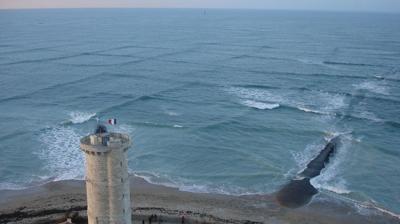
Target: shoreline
point(54, 201)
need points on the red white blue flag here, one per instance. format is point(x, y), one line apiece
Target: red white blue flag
point(112, 121)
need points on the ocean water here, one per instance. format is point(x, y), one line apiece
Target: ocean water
point(226, 101)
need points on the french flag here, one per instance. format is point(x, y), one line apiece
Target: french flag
point(112, 121)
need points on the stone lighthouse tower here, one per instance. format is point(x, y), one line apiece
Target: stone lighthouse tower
point(107, 178)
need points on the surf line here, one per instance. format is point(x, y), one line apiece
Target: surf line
point(299, 191)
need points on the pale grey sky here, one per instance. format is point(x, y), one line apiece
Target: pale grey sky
point(331, 5)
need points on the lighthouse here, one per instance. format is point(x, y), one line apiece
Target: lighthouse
point(107, 178)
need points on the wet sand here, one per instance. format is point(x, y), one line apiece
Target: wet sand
point(55, 201)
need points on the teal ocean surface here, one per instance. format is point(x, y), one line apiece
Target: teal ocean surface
point(224, 101)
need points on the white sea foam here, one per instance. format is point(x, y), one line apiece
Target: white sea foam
point(303, 157)
point(10, 186)
point(199, 188)
point(312, 102)
point(122, 128)
point(177, 126)
point(338, 187)
point(61, 153)
point(260, 105)
point(80, 117)
point(172, 113)
point(216, 189)
point(360, 110)
point(185, 185)
point(332, 102)
point(331, 177)
point(255, 94)
point(318, 102)
point(154, 178)
point(373, 86)
point(307, 110)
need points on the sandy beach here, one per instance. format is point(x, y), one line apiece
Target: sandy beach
point(56, 201)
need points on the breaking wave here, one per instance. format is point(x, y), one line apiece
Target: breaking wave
point(188, 186)
point(80, 117)
point(311, 110)
point(302, 158)
point(64, 159)
point(373, 87)
point(331, 177)
point(260, 105)
point(317, 102)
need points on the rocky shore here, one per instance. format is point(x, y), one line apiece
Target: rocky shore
point(63, 201)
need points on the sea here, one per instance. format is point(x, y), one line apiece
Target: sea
point(223, 101)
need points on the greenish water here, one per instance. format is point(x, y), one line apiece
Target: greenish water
point(227, 101)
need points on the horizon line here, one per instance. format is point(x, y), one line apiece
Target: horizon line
point(204, 8)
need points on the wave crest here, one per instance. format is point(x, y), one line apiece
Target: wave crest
point(80, 117)
point(373, 87)
point(331, 177)
point(311, 110)
point(260, 105)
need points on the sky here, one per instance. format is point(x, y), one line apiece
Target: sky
point(330, 5)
